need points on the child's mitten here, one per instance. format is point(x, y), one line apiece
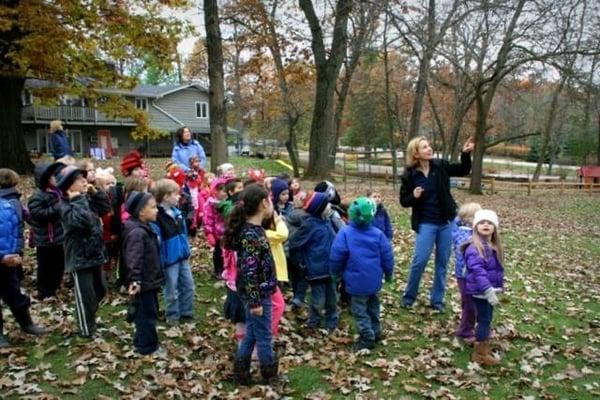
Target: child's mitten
point(490, 296)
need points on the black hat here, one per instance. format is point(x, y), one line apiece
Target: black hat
point(136, 201)
point(43, 172)
point(67, 175)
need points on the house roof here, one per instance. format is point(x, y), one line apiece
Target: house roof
point(591, 171)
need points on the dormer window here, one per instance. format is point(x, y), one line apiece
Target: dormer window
point(141, 103)
point(201, 109)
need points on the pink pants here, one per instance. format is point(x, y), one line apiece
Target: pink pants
point(278, 306)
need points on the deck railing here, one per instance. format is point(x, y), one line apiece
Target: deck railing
point(69, 114)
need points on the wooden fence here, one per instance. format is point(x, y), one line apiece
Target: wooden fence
point(492, 186)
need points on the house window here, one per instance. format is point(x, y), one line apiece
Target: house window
point(201, 109)
point(141, 103)
point(26, 98)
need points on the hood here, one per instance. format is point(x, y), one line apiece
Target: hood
point(43, 172)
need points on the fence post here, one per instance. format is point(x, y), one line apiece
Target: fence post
point(493, 185)
point(345, 177)
point(529, 187)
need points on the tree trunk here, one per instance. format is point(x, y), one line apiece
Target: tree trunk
point(218, 111)
point(388, 104)
point(13, 152)
point(479, 151)
point(292, 147)
point(598, 150)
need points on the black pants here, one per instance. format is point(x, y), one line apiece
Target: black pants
point(218, 260)
point(51, 267)
point(10, 294)
point(89, 291)
point(145, 339)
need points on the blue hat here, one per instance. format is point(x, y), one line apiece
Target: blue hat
point(277, 187)
point(316, 203)
point(136, 201)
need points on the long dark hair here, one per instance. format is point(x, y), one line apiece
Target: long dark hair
point(249, 203)
point(179, 134)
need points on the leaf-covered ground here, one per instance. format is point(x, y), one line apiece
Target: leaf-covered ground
point(547, 329)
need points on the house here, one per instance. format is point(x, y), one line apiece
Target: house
point(589, 174)
point(169, 107)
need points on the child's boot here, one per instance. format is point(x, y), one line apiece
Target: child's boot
point(241, 371)
point(270, 372)
point(481, 354)
point(3, 339)
point(23, 317)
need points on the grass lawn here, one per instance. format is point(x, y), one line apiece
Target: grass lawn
point(547, 327)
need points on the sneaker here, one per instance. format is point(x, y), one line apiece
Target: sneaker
point(437, 307)
point(160, 352)
point(363, 345)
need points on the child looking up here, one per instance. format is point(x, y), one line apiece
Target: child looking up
point(214, 223)
point(461, 234)
point(382, 218)
point(256, 281)
point(277, 233)
point(485, 278)
point(280, 193)
point(363, 255)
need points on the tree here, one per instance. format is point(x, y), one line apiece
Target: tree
point(328, 68)
point(218, 112)
point(77, 46)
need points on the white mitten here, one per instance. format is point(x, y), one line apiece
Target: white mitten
point(490, 296)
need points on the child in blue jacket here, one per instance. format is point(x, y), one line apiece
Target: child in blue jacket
point(382, 218)
point(174, 252)
point(310, 247)
point(363, 255)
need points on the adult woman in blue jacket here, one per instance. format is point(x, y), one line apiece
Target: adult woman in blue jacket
point(186, 148)
point(425, 187)
point(59, 142)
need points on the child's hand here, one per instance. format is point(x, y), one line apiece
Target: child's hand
point(134, 288)
point(258, 311)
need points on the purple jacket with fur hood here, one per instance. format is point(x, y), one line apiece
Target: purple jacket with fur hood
point(483, 272)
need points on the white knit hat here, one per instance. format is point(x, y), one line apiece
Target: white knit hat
point(486, 215)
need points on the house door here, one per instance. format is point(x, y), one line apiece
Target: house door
point(105, 141)
point(76, 141)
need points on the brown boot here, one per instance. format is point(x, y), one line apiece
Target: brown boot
point(481, 354)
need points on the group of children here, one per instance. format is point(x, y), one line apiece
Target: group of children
point(264, 233)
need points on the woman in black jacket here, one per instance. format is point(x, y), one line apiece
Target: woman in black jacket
point(425, 187)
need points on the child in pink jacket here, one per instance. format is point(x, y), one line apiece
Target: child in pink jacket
point(214, 223)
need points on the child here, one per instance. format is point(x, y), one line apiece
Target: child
point(174, 252)
point(11, 247)
point(142, 257)
point(256, 282)
point(310, 247)
point(336, 214)
point(203, 195)
point(295, 188)
point(277, 233)
point(194, 179)
point(225, 170)
point(363, 254)
point(84, 248)
point(382, 218)
point(297, 272)
point(111, 229)
point(461, 233)
point(485, 278)
point(280, 193)
point(186, 207)
point(48, 235)
point(214, 224)
point(9, 192)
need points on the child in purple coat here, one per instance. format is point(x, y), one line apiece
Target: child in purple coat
point(485, 279)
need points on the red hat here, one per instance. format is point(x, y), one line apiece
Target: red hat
point(177, 174)
point(256, 175)
point(131, 161)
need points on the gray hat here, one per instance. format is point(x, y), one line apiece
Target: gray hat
point(136, 201)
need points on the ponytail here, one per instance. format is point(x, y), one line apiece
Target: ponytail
point(250, 200)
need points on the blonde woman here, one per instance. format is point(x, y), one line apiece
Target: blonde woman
point(59, 142)
point(425, 187)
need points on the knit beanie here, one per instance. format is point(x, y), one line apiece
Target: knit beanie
point(329, 189)
point(486, 215)
point(316, 203)
point(136, 201)
point(44, 172)
point(277, 187)
point(362, 211)
point(131, 161)
point(177, 174)
point(67, 175)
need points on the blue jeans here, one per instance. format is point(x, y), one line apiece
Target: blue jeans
point(145, 339)
point(323, 297)
point(179, 290)
point(485, 314)
point(365, 310)
point(427, 236)
point(258, 332)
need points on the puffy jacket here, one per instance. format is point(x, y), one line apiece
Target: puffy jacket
point(461, 234)
point(294, 220)
point(174, 246)
point(44, 210)
point(59, 144)
point(310, 246)
point(442, 170)
point(382, 221)
point(482, 272)
point(99, 202)
point(363, 254)
point(142, 255)
point(84, 247)
point(14, 199)
point(9, 229)
point(214, 224)
point(183, 152)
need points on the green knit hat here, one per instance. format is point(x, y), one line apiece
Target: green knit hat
point(362, 211)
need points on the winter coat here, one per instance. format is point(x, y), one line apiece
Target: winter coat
point(214, 224)
point(285, 210)
point(142, 255)
point(363, 254)
point(14, 199)
point(44, 210)
point(442, 170)
point(174, 246)
point(461, 234)
point(59, 145)
point(99, 202)
point(256, 279)
point(9, 229)
point(276, 238)
point(382, 221)
point(84, 247)
point(482, 272)
point(294, 220)
point(183, 152)
point(310, 247)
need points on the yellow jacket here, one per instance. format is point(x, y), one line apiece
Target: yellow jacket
point(276, 238)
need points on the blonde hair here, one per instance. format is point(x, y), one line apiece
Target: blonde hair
point(8, 178)
point(495, 243)
point(55, 125)
point(164, 187)
point(132, 183)
point(466, 212)
point(207, 177)
point(85, 163)
point(67, 160)
point(412, 150)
